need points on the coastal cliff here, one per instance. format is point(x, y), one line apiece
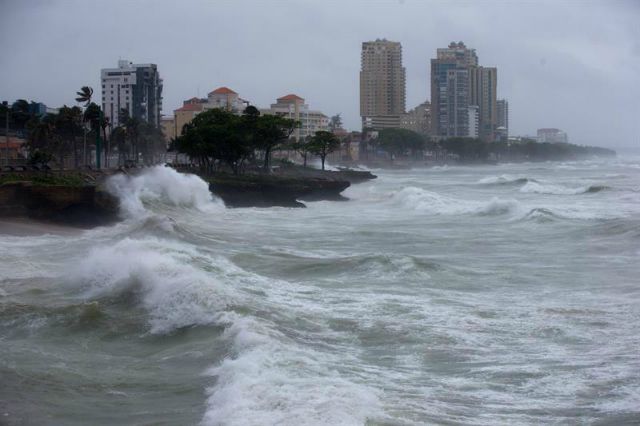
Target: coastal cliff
point(84, 206)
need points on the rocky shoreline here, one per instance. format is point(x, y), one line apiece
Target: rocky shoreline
point(83, 206)
point(287, 187)
point(83, 202)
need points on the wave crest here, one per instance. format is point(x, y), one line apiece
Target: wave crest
point(504, 180)
point(538, 188)
point(431, 202)
point(161, 184)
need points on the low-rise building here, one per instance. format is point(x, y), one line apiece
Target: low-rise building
point(168, 127)
point(226, 99)
point(552, 135)
point(293, 107)
point(183, 115)
point(418, 119)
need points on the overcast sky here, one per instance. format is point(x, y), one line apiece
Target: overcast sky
point(574, 65)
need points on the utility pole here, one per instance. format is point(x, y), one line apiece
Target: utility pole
point(6, 126)
point(98, 141)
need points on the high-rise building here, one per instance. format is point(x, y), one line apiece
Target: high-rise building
point(483, 86)
point(458, 82)
point(134, 87)
point(503, 119)
point(450, 91)
point(382, 84)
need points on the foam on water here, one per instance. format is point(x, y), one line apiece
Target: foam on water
point(539, 188)
point(161, 184)
point(427, 299)
point(425, 201)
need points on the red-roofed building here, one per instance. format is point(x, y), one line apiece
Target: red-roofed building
point(183, 115)
point(292, 106)
point(227, 99)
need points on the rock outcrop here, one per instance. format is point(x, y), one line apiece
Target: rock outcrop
point(85, 206)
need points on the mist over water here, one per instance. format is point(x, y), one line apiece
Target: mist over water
point(452, 295)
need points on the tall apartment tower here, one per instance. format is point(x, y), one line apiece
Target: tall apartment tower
point(382, 84)
point(450, 91)
point(503, 118)
point(460, 91)
point(483, 86)
point(134, 87)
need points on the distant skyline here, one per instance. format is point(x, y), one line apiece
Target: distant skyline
point(572, 65)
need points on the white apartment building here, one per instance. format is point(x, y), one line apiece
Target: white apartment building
point(134, 87)
point(474, 121)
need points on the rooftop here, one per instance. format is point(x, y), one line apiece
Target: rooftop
point(190, 107)
point(223, 91)
point(291, 97)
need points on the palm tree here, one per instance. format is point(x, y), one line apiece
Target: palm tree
point(84, 95)
point(104, 123)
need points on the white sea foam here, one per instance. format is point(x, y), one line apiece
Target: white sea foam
point(502, 179)
point(421, 200)
point(161, 184)
point(547, 188)
point(175, 293)
point(273, 380)
point(270, 379)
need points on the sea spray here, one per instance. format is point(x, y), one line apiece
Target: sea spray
point(424, 201)
point(161, 275)
point(161, 184)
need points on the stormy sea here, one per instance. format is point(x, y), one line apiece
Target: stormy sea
point(505, 294)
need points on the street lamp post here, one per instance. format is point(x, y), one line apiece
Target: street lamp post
point(98, 141)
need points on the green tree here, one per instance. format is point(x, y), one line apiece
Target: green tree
point(323, 143)
point(68, 127)
point(335, 122)
point(215, 136)
point(20, 114)
point(270, 132)
point(302, 147)
point(467, 149)
point(400, 142)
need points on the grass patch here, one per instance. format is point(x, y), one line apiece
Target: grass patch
point(43, 179)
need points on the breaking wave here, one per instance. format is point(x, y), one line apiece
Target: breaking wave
point(421, 200)
point(164, 185)
point(504, 180)
point(539, 188)
point(267, 377)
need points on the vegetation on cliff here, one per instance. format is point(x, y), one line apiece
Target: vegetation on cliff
point(218, 137)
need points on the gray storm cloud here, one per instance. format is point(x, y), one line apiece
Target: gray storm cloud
point(572, 65)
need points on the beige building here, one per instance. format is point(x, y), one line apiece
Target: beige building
point(186, 113)
point(168, 128)
point(418, 119)
point(382, 84)
point(222, 97)
point(293, 107)
point(483, 85)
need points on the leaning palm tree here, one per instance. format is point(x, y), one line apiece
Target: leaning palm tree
point(84, 95)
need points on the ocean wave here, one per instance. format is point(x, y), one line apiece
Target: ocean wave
point(539, 188)
point(431, 202)
point(159, 274)
point(504, 180)
point(161, 185)
point(271, 379)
